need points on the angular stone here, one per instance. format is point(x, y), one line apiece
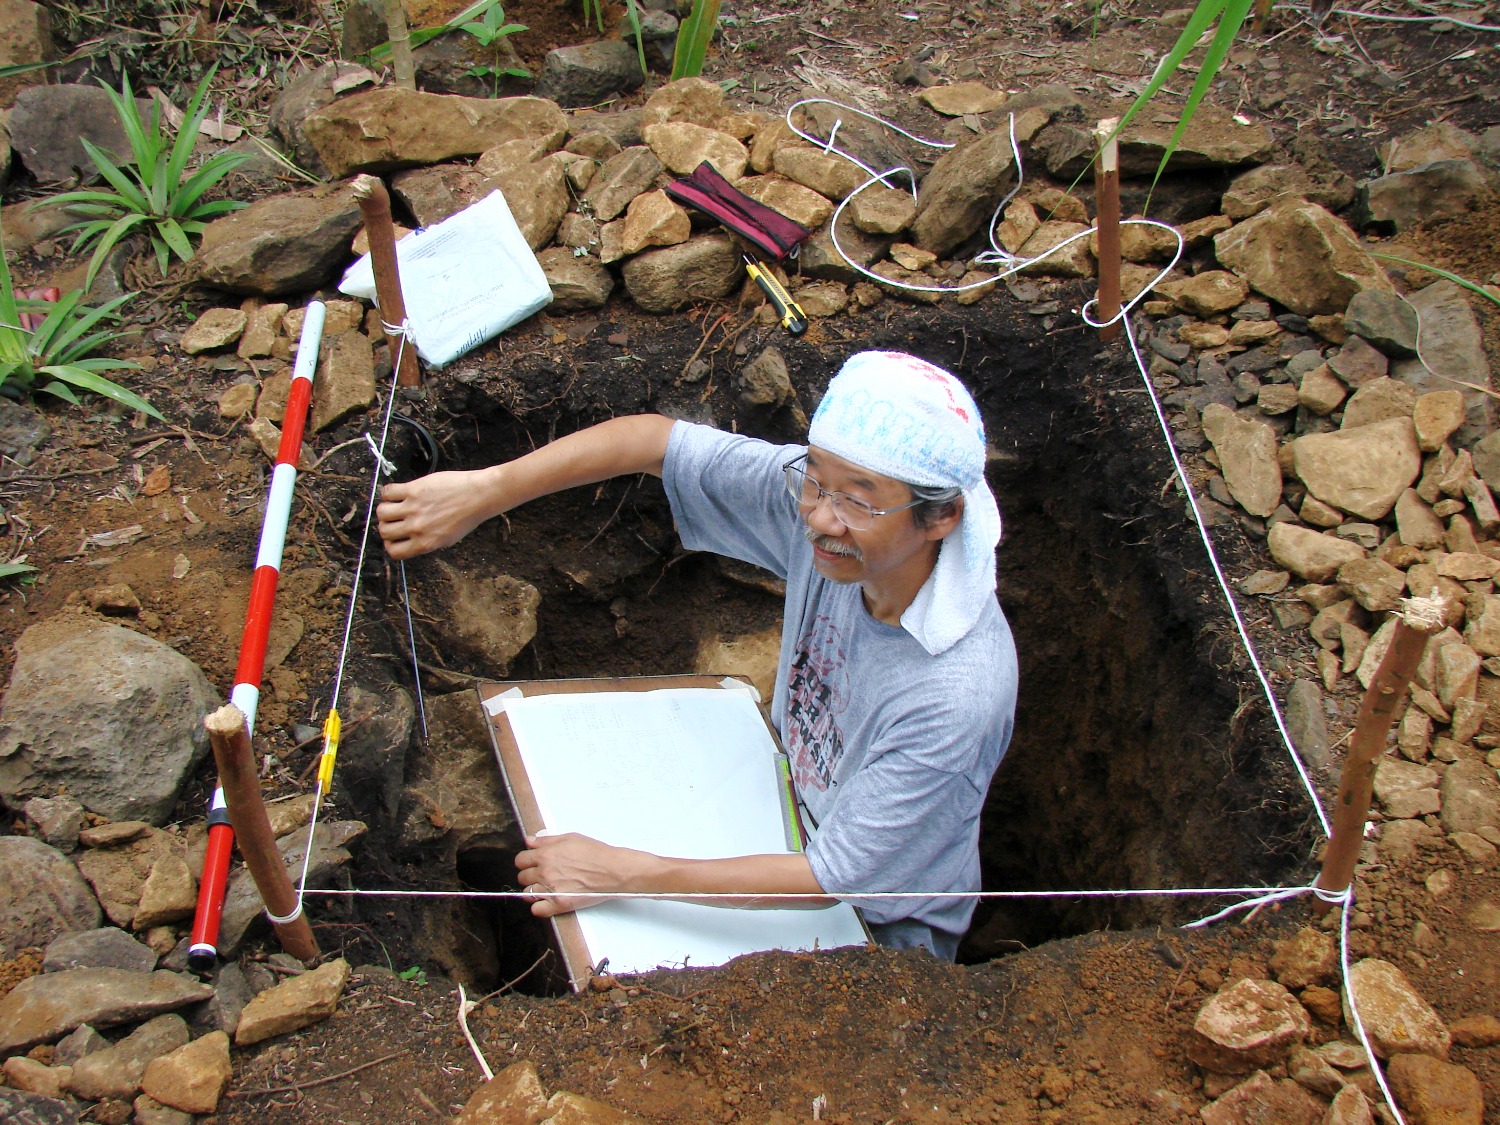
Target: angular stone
point(1440, 141)
point(1457, 673)
point(1312, 1072)
point(822, 259)
point(1302, 256)
point(18, 1107)
point(193, 1077)
point(1247, 457)
point(621, 179)
point(391, 128)
point(566, 1108)
point(1453, 344)
point(1252, 192)
point(1385, 319)
point(1308, 554)
point(764, 380)
point(261, 329)
point(1433, 1092)
point(1321, 391)
point(681, 146)
point(513, 1095)
point(106, 948)
point(963, 98)
point(706, 267)
point(1357, 363)
point(41, 1009)
point(962, 190)
point(1415, 522)
point(1208, 293)
point(170, 894)
point(1378, 401)
point(115, 1072)
point(1361, 471)
point(1247, 1025)
point(149, 1111)
point(216, 328)
point(576, 282)
point(1476, 1031)
point(1396, 1018)
point(289, 243)
point(830, 176)
point(1054, 254)
point(1375, 584)
point(1471, 797)
point(1440, 190)
point(1349, 1107)
point(654, 220)
point(537, 194)
point(800, 204)
point(42, 896)
point(688, 99)
point(243, 907)
point(1261, 1099)
point(25, 1073)
point(295, 1003)
point(1203, 336)
point(1308, 957)
point(345, 381)
point(882, 210)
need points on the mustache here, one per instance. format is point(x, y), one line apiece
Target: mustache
point(829, 543)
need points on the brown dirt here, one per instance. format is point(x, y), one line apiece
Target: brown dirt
point(1081, 1029)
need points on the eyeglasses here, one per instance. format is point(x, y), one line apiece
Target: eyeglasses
point(854, 514)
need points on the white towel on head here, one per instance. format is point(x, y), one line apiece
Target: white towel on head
point(910, 420)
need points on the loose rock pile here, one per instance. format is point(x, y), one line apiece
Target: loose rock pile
point(1270, 1049)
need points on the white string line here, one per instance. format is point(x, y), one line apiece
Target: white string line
point(742, 896)
point(1359, 1024)
point(401, 332)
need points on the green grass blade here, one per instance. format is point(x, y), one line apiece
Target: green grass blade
point(1446, 275)
point(1200, 21)
point(185, 199)
point(11, 569)
point(131, 195)
point(107, 240)
point(79, 377)
point(693, 39)
point(1232, 19)
point(61, 390)
point(174, 236)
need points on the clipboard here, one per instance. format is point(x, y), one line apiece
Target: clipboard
point(842, 924)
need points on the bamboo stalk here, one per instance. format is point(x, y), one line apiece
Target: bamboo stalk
point(1107, 216)
point(375, 205)
point(1377, 711)
point(230, 738)
point(400, 37)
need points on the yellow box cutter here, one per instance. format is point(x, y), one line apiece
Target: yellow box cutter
point(793, 319)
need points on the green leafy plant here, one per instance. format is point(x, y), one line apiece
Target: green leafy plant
point(693, 37)
point(11, 569)
point(416, 974)
point(56, 355)
point(152, 192)
point(491, 29)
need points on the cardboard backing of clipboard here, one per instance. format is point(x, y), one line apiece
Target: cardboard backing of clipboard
point(569, 934)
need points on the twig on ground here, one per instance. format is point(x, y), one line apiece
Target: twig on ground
point(327, 1078)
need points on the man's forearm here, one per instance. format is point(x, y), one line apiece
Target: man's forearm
point(760, 878)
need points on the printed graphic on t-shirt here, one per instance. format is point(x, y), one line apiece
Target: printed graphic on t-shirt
point(817, 691)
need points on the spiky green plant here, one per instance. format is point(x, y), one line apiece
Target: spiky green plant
point(56, 355)
point(152, 192)
point(693, 37)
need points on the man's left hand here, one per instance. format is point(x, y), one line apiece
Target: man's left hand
point(571, 863)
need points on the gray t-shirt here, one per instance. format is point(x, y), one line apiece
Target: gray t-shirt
point(892, 749)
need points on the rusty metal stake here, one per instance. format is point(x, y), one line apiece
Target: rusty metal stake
point(230, 738)
point(1107, 217)
point(375, 206)
point(1420, 618)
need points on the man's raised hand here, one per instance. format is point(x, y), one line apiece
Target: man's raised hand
point(432, 512)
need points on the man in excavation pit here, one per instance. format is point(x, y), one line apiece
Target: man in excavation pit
point(896, 685)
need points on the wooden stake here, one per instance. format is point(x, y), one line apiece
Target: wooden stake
point(375, 206)
point(1107, 208)
point(230, 738)
point(1377, 711)
point(396, 28)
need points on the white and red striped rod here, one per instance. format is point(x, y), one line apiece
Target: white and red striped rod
point(203, 947)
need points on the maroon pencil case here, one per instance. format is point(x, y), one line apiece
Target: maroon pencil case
point(772, 232)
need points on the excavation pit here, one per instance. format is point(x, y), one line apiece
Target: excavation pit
point(1143, 754)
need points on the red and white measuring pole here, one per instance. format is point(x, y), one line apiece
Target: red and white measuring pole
point(203, 949)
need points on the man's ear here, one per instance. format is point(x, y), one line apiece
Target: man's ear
point(941, 528)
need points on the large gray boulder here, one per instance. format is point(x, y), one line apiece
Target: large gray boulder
point(1453, 346)
point(1444, 189)
point(42, 896)
point(589, 73)
point(111, 715)
point(281, 244)
point(49, 124)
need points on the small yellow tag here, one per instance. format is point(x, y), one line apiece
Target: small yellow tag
point(331, 729)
